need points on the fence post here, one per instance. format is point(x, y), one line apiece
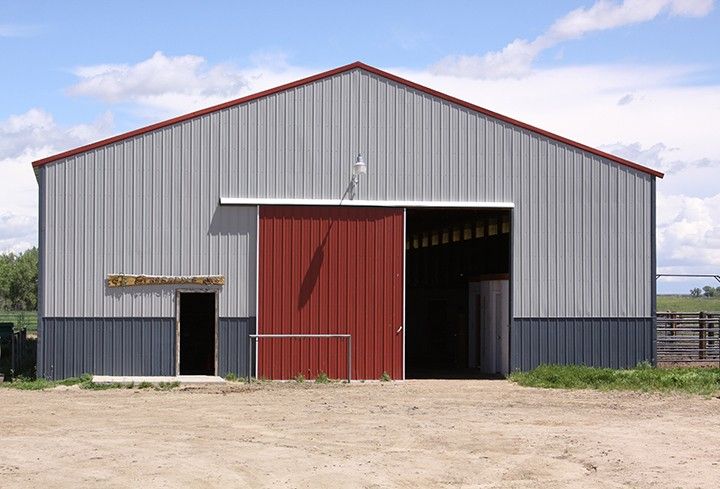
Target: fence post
point(717, 336)
point(710, 335)
point(12, 354)
point(702, 335)
point(249, 355)
point(349, 347)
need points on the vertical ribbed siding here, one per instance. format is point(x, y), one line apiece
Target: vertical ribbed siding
point(330, 270)
point(126, 214)
point(596, 342)
point(106, 346)
point(581, 225)
point(234, 346)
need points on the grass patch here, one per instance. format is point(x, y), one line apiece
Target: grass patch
point(686, 303)
point(385, 377)
point(32, 384)
point(84, 382)
point(28, 384)
point(322, 378)
point(642, 378)
point(299, 378)
point(233, 377)
point(94, 386)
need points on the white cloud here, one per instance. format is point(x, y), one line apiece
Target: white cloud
point(17, 232)
point(688, 234)
point(660, 157)
point(626, 99)
point(163, 86)
point(36, 132)
point(581, 103)
point(516, 58)
point(23, 139)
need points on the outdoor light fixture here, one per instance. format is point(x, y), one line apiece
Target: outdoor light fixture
point(359, 168)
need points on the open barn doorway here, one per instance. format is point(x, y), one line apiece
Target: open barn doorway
point(197, 333)
point(457, 270)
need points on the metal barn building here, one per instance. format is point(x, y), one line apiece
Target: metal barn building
point(399, 229)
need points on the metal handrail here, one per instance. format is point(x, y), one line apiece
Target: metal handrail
point(255, 337)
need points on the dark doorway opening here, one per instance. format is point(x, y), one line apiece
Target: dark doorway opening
point(449, 317)
point(197, 333)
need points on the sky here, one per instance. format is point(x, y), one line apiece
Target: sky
point(637, 78)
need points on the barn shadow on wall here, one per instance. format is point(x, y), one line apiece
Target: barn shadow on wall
point(457, 287)
point(228, 220)
point(312, 273)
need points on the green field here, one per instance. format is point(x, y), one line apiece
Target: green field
point(21, 319)
point(685, 303)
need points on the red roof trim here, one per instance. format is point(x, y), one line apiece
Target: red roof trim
point(327, 74)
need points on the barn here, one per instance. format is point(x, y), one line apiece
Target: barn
point(354, 223)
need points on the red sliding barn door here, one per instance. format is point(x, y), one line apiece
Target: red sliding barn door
point(331, 270)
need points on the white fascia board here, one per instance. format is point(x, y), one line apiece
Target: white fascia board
point(367, 203)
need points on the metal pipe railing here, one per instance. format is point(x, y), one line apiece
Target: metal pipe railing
point(255, 337)
point(688, 337)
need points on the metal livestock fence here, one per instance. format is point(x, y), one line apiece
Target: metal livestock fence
point(688, 338)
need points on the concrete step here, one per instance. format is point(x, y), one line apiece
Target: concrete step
point(183, 379)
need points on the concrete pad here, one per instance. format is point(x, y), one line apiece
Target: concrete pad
point(183, 379)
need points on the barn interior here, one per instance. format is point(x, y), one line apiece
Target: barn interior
point(197, 333)
point(449, 253)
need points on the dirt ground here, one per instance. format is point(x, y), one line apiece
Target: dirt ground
point(475, 433)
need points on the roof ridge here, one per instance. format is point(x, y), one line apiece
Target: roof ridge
point(327, 74)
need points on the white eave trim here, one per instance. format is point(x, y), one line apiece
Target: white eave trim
point(367, 203)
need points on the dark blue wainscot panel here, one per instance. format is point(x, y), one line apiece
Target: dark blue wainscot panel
point(599, 342)
point(70, 347)
point(233, 345)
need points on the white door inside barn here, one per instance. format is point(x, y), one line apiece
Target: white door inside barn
point(489, 325)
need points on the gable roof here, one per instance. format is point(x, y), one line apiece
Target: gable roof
point(327, 74)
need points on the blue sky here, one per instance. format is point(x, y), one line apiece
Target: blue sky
point(638, 78)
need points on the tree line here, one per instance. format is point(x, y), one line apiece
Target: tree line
point(707, 291)
point(18, 280)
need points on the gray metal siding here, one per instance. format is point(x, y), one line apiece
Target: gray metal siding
point(106, 346)
point(233, 345)
point(597, 342)
point(581, 245)
point(131, 346)
point(112, 213)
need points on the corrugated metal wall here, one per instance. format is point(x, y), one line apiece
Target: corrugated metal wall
point(234, 346)
point(121, 210)
point(331, 270)
point(597, 342)
point(581, 237)
point(71, 347)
